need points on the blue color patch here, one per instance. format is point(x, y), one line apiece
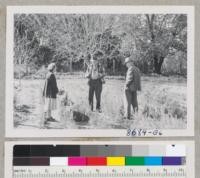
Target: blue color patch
point(153, 161)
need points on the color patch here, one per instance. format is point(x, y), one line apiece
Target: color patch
point(42, 161)
point(134, 161)
point(21, 151)
point(172, 161)
point(157, 150)
point(105, 150)
point(140, 150)
point(96, 161)
point(175, 150)
point(46, 150)
point(21, 161)
point(58, 161)
point(115, 161)
point(77, 161)
point(153, 161)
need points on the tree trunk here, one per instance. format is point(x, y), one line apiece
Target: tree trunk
point(70, 66)
point(27, 68)
point(145, 67)
point(158, 61)
point(84, 66)
point(113, 66)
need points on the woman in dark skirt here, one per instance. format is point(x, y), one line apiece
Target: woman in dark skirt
point(50, 92)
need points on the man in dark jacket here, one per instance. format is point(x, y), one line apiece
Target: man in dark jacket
point(132, 85)
point(95, 73)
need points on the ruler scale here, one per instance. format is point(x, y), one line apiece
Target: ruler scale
point(108, 172)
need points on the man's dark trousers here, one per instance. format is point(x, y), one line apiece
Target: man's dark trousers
point(130, 100)
point(95, 86)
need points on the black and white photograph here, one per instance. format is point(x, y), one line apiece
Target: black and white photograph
point(99, 71)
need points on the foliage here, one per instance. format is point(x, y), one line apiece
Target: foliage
point(71, 39)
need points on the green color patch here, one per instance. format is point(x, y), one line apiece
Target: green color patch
point(137, 161)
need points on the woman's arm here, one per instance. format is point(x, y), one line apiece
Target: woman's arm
point(45, 88)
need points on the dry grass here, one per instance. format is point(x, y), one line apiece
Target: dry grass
point(162, 105)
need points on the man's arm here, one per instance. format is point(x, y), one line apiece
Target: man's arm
point(129, 77)
point(88, 72)
point(102, 72)
point(139, 87)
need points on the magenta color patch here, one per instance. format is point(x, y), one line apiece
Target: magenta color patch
point(77, 161)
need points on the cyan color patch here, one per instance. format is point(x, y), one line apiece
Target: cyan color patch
point(153, 161)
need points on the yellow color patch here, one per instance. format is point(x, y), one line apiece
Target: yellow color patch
point(115, 161)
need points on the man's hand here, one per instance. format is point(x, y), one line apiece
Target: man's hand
point(126, 87)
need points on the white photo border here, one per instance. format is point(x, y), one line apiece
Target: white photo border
point(11, 10)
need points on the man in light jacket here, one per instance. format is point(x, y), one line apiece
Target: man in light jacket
point(132, 85)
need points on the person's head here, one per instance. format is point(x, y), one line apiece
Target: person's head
point(94, 60)
point(127, 54)
point(51, 67)
point(129, 62)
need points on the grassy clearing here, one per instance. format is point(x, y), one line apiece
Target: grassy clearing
point(162, 104)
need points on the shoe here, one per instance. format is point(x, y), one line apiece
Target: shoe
point(91, 107)
point(45, 122)
point(99, 110)
point(51, 119)
point(127, 117)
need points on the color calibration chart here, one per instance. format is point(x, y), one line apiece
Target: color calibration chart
point(103, 161)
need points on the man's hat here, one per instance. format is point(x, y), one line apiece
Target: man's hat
point(127, 54)
point(93, 58)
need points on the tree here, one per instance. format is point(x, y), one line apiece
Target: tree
point(71, 39)
point(165, 32)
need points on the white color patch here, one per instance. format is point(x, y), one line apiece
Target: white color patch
point(175, 150)
point(58, 161)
